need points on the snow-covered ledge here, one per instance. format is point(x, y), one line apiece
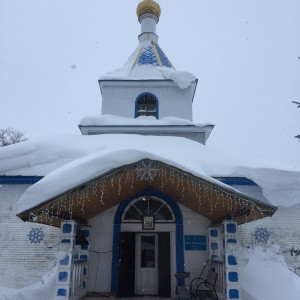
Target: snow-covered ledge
point(145, 125)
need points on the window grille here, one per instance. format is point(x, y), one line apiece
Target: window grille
point(146, 105)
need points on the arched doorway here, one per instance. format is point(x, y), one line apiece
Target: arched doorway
point(148, 245)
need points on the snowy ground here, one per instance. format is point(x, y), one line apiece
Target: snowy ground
point(266, 277)
point(42, 290)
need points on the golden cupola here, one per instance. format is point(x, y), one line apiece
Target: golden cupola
point(148, 12)
point(148, 7)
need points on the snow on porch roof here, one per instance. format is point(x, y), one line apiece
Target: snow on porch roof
point(151, 178)
point(70, 160)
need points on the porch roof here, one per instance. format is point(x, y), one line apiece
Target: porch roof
point(210, 198)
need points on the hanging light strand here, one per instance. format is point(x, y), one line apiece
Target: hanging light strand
point(204, 191)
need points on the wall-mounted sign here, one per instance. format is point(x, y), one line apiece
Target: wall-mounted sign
point(195, 242)
point(148, 223)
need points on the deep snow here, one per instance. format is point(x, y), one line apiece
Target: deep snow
point(42, 290)
point(266, 277)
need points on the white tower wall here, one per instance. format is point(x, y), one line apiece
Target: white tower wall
point(172, 100)
point(148, 25)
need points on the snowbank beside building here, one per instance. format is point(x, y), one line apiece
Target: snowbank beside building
point(43, 290)
point(266, 277)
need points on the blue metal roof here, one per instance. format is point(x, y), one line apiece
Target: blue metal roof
point(164, 60)
point(19, 179)
point(148, 57)
point(33, 179)
point(153, 55)
point(236, 181)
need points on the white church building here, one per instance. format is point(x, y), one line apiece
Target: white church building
point(138, 196)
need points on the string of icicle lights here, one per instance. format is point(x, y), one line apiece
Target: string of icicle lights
point(62, 206)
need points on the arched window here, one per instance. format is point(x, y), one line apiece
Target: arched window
point(148, 207)
point(146, 104)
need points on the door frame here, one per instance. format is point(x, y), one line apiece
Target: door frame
point(179, 253)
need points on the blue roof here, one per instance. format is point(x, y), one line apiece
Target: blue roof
point(164, 60)
point(236, 181)
point(19, 179)
point(153, 55)
point(148, 57)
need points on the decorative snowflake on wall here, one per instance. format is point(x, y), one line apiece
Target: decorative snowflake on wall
point(36, 235)
point(261, 235)
point(146, 170)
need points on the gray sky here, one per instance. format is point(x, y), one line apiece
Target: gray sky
point(245, 55)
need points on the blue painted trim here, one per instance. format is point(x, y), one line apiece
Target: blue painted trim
point(19, 179)
point(236, 181)
point(117, 229)
point(136, 104)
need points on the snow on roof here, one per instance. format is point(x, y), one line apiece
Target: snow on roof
point(148, 62)
point(70, 160)
point(109, 120)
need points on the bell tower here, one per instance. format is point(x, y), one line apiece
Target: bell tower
point(147, 95)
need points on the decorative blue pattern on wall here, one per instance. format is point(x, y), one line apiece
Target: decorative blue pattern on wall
point(62, 292)
point(214, 246)
point(63, 276)
point(67, 228)
point(65, 261)
point(214, 233)
point(234, 294)
point(262, 235)
point(233, 276)
point(147, 57)
point(36, 235)
point(231, 228)
point(231, 260)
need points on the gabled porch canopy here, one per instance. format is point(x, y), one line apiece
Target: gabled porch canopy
point(208, 197)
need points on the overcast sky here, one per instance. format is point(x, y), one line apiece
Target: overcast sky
point(245, 55)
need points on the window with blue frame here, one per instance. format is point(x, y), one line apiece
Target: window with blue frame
point(146, 104)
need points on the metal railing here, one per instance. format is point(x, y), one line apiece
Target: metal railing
point(219, 268)
point(77, 280)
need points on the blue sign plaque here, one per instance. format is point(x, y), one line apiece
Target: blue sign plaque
point(195, 242)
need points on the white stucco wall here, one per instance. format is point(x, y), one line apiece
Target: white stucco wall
point(22, 262)
point(194, 224)
point(102, 241)
point(173, 101)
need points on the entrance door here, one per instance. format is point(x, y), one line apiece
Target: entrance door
point(146, 279)
point(126, 264)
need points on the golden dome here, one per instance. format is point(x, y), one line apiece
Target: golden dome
point(148, 6)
